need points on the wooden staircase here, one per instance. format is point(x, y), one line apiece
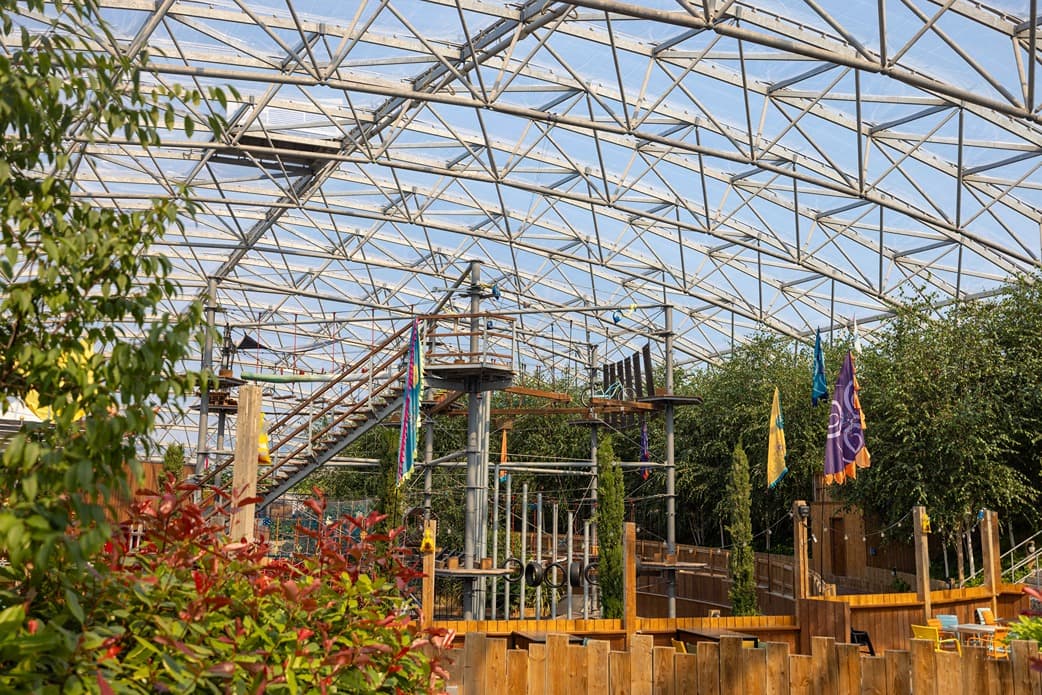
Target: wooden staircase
point(348, 406)
point(370, 390)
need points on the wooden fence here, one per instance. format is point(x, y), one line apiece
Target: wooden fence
point(767, 628)
point(485, 666)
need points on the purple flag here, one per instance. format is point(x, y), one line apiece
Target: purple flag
point(645, 455)
point(845, 450)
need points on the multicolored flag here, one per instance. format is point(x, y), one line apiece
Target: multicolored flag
point(845, 449)
point(411, 405)
point(645, 454)
point(819, 389)
point(776, 468)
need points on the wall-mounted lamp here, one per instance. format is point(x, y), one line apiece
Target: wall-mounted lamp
point(804, 511)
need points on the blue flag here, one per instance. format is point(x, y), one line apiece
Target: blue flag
point(819, 389)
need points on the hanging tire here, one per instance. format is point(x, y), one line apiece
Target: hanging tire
point(517, 570)
point(556, 569)
point(590, 573)
point(575, 574)
point(533, 573)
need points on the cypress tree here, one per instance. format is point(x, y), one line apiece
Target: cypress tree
point(742, 561)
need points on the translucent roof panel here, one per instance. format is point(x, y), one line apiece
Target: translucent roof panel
point(779, 166)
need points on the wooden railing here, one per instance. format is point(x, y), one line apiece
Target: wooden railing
point(489, 666)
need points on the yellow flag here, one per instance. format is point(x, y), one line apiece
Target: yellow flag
point(776, 468)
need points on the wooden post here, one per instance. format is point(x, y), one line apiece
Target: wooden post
point(922, 560)
point(244, 468)
point(430, 534)
point(629, 579)
point(800, 565)
point(991, 555)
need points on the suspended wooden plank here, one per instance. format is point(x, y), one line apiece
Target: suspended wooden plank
point(538, 393)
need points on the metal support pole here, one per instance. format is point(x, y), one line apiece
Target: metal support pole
point(202, 453)
point(474, 413)
point(524, 541)
point(508, 550)
point(539, 552)
point(671, 470)
point(428, 472)
point(484, 508)
point(553, 558)
point(571, 539)
point(586, 563)
point(495, 536)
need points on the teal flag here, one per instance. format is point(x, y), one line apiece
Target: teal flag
point(819, 389)
point(411, 406)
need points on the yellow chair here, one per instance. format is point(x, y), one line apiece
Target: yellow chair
point(679, 646)
point(928, 632)
point(986, 617)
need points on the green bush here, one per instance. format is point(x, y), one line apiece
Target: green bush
point(191, 611)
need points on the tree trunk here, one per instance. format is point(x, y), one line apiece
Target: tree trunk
point(960, 558)
point(969, 549)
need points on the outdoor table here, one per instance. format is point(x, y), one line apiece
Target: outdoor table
point(521, 639)
point(710, 634)
point(975, 631)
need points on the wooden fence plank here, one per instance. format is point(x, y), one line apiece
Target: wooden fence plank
point(454, 667)
point(824, 665)
point(619, 672)
point(597, 675)
point(685, 666)
point(924, 668)
point(732, 677)
point(755, 670)
point(1004, 671)
point(557, 666)
point(709, 667)
point(576, 679)
point(517, 671)
point(475, 648)
point(777, 668)
point(537, 669)
point(991, 678)
point(801, 670)
point(898, 672)
point(495, 665)
point(1026, 681)
point(640, 664)
point(973, 670)
point(662, 674)
point(949, 672)
point(848, 662)
point(873, 675)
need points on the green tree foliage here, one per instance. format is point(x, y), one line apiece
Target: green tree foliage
point(610, 511)
point(742, 562)
point(945, 420)
point(736, 407)
point(81, 298)
point(174, 461)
